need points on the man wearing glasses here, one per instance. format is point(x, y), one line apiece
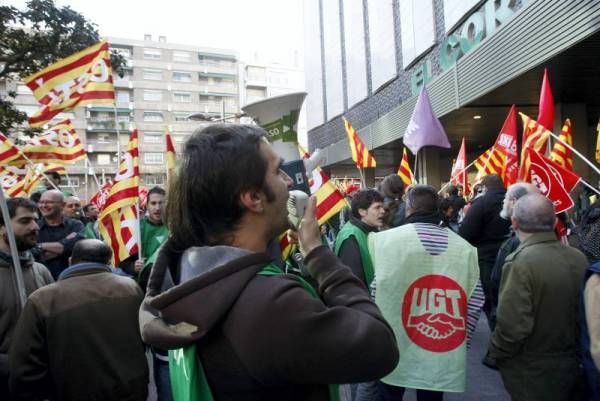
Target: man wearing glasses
point(58, 233)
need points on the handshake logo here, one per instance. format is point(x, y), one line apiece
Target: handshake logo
point(434, 313)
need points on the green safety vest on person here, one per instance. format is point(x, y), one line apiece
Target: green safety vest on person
point(423, 294)
point(350, 230)
point(153, 236)
point(188, 380)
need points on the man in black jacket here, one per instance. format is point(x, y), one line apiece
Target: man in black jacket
point(486, 230)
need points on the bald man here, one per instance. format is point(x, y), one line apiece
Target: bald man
point(78, 339)
point(513, 193)
point(58, 234)
point(535, 342)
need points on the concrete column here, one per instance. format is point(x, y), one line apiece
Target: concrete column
point(428, 167)
point(369, 177)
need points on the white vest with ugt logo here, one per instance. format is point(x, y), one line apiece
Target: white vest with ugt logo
point(424, 276)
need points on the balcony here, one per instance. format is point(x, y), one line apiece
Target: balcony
point(216, 67)
point(219, 89)
point(102, 124)
point(101, 146)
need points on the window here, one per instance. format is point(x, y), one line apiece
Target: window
point(72, 182)
point(181, 76)
point(155, 75)
point(153, 137)
point(123, 97)
point(182, 97)
point(152, 95)
point(153, 116)
point(182, 57)
point(152, 54)
point(181, 115)
point(180, 138)
point(151, 180)
point(123, 52)
point(153, 158)
point(103, 159)
point(103, 138)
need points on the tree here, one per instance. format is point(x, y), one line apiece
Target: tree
point(33, 38)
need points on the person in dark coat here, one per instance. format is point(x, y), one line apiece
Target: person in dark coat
point(486, 230)
point(513, 193)
point(78, 338)
point(535, 342)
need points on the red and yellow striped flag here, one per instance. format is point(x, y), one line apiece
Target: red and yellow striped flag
point(118, 216)
point(492, 161)
point(360, 153)
point(171, 156)
point(329, 201)
point(9, 153)
point(125, 191)
point(560, 153)
point(535, 137)
point(119, 230)
point(12, 181)
point(58, 145)
point(404, 170)
point(82, 78)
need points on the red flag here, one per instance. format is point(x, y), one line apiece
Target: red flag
point(542, 176)
point(566, 177)
point(546, 113)
point(458, 176)
point(507, 141)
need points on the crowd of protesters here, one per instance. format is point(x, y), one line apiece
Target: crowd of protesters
point(388, 297)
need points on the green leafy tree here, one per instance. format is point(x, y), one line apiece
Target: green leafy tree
point(33, 38)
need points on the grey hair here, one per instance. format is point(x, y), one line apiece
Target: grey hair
point(534, 213)
point(515, 192)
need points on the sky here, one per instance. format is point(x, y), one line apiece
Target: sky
point(262, 31)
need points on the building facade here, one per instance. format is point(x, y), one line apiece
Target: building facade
point(261, 81)
point(164, 83)
point(366, 60)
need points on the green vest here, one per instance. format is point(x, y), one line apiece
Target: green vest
point(188, 380)
point(425, 276)
point(350, 230)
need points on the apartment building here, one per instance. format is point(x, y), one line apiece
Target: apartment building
point(164, 83)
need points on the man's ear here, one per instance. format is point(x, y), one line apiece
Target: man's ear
point(252, 200)
point(362, 212)
point(514, 224)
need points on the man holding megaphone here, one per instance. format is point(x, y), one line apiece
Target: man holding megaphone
point(229, 315)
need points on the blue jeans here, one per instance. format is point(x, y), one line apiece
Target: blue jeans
point(162, 379)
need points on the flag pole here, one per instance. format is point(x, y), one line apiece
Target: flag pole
point(139, 229)
point(32, 165)
point(363, 182)
point(69, 179)
point(590, 186)
point(589, 163)
point(118, 137)
point(17, 273)
point(459, 173)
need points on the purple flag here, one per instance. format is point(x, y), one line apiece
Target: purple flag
point(424, 128)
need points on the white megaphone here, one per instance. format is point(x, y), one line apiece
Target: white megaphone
point(279, 117)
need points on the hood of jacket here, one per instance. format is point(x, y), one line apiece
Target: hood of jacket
point(26, 259)
point(190, 292)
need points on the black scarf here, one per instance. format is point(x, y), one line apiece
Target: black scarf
point(424, 217)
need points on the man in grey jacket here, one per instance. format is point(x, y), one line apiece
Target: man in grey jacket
point(23, 214)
